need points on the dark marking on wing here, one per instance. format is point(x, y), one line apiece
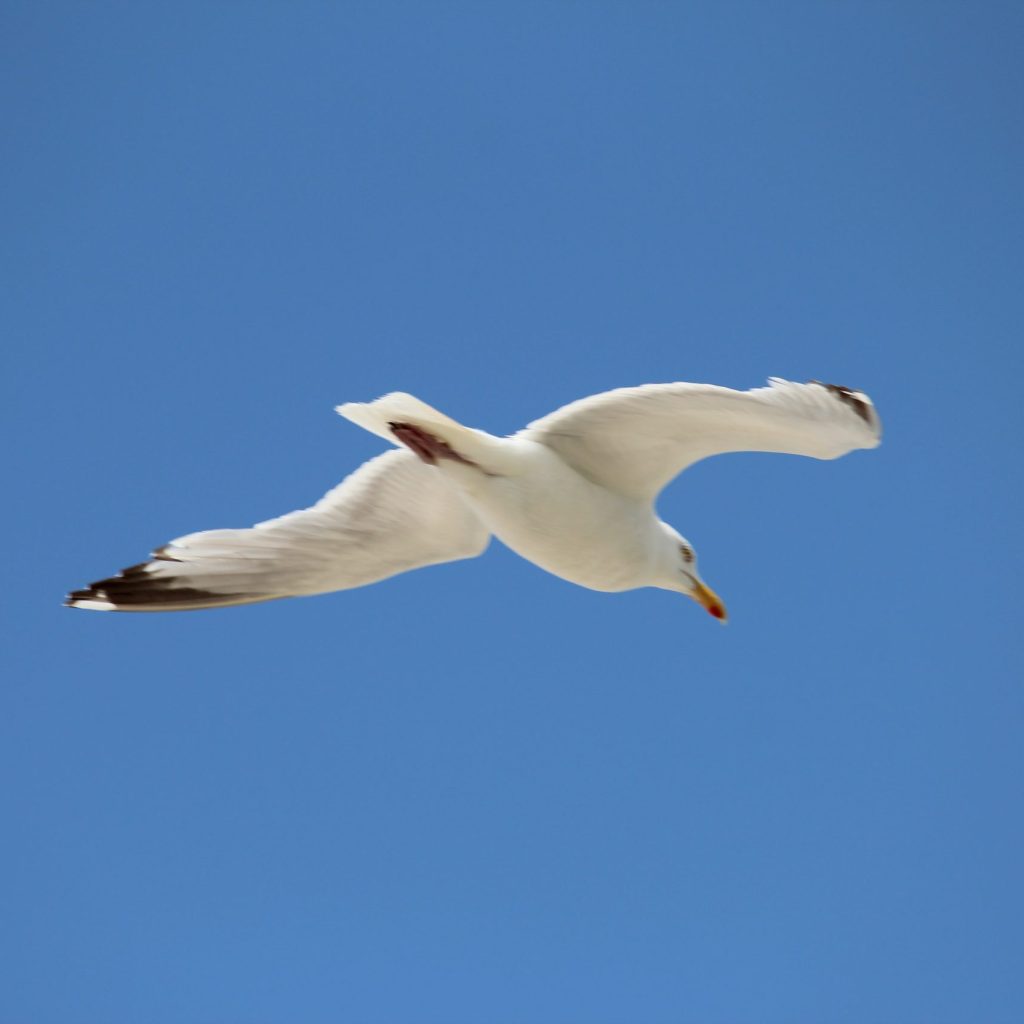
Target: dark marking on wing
point(851, 397)
point(162, 554)
point(425, 445)
point(134, 587)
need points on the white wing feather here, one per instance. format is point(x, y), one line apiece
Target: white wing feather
point(392, 514)
point(635, 440)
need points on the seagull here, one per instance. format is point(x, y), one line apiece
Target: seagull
point(573, 492)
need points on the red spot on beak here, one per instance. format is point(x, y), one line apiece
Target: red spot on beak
point(710, 600)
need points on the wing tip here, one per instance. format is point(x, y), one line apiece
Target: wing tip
point(860, 403)
point(857, 400)
point(89, 600)
point(137, 589)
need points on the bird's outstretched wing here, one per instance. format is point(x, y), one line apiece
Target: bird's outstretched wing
point(392, 514)
point(635, 440)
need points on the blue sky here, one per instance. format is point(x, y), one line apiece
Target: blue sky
point(477, 792)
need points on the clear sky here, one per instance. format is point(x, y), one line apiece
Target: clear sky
point(478, 793)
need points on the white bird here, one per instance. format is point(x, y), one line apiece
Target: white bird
point(573, 492)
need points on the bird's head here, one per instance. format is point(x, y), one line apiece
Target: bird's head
point(677, 570)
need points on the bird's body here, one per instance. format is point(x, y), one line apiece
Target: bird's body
point(573, 492)
point(553, 516)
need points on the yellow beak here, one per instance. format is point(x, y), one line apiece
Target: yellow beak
point(711, 601)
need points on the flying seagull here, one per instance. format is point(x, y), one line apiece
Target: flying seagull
point(573, 492)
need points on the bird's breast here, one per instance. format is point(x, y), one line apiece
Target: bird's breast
point(552, 516)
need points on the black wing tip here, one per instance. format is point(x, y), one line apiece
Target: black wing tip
point(856, 400)
point(137, 589)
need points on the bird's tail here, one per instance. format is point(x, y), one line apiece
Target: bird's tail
point(398, 409)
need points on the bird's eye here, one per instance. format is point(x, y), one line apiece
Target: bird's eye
point(687, 554)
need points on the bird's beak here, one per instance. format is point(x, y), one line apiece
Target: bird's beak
point(711, 601)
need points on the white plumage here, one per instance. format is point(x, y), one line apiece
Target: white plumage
point(636, 440)
point(573, 492)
